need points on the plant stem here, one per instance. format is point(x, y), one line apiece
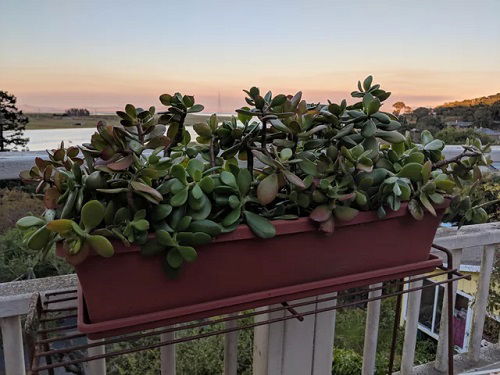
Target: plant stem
point(250, 161)
point(455, 159)
point(212, 153)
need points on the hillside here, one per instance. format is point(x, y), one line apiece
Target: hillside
point(484, 100)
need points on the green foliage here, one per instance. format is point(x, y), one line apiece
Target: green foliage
point(146, 182)
point(454, 136)
point(198, 357)
point(19, 262)
point(484, 100)
point(12, 123)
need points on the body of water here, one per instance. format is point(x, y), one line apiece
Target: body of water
point(48, 139)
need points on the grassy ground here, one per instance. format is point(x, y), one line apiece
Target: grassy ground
point(48, 121)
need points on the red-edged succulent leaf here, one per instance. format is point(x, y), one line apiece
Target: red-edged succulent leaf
point(121, 164)
point(327, 226)
point(321, 214)
point(294, 179)
point(50, 198)
point(139, 186)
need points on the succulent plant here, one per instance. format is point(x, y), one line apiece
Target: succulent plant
point(146, 182)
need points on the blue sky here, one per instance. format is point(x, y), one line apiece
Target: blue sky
point(104, 54)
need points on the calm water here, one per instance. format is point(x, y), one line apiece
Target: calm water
point(43, 139)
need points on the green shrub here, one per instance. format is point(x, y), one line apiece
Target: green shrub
point(197, 357)
point(454, 136)
point(18, 262)
point(346, 362)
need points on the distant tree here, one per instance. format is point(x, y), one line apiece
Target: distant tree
point(398, 107)
point(454, 136)
point(77, 112)
point(483, 117)
point(421, 112)
point(12, 123)
point(431, 123)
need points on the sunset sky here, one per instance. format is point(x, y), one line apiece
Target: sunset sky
point(104, 54)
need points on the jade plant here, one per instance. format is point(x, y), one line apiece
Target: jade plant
point(146, 182)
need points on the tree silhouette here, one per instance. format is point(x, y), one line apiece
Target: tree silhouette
point(398, 106)
point(12, 123)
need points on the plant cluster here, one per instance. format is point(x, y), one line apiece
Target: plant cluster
point(147, 182)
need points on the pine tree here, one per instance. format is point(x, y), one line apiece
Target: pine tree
point(12, 123)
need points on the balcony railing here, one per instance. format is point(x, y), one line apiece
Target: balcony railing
point(291, 346)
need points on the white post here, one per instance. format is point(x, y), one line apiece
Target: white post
point(441, 363)
point(371, 331)
point(12, 338)
point(294, 347)
point(231, 349)
point(410, 338)
point(324, 337)
point(481, 302)
point(97, 367)
point(167, 354)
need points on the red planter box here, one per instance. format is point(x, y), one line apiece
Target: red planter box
point(239, 271)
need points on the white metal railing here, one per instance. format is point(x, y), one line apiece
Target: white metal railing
point(287, 347)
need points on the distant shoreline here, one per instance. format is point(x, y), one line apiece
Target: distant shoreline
point(49, 121)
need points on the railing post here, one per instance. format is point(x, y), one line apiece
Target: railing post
point(12, 338)
point(410, 338)
point(231, 349)
point(294, 347)
point(371, 331)
point(167, 354)
point(441, 363)
point(324, 337)
point(97, 367)
point(481, 302)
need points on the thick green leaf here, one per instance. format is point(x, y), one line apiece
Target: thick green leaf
point(207, 184)
point(268, 189)
point(196, 192)
point(92, 214)
point(262, 227)
point(413, 171)
point(425, 202)
point(345, 213)
point(415, 209)
point(244, 180)
point(141, 225)
point(161, 211)
point(228, 179)
point(39, 239)
point(232, 217)
point(179, 198)
point(29, 221)
point(435, 145)
point(188, 253)
point(179, 172)
point(164, 238)
point(101, 245)
point(174, 259)
point(206, 226)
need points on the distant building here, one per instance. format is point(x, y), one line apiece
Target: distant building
point(491, 132)
point(460, 124)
